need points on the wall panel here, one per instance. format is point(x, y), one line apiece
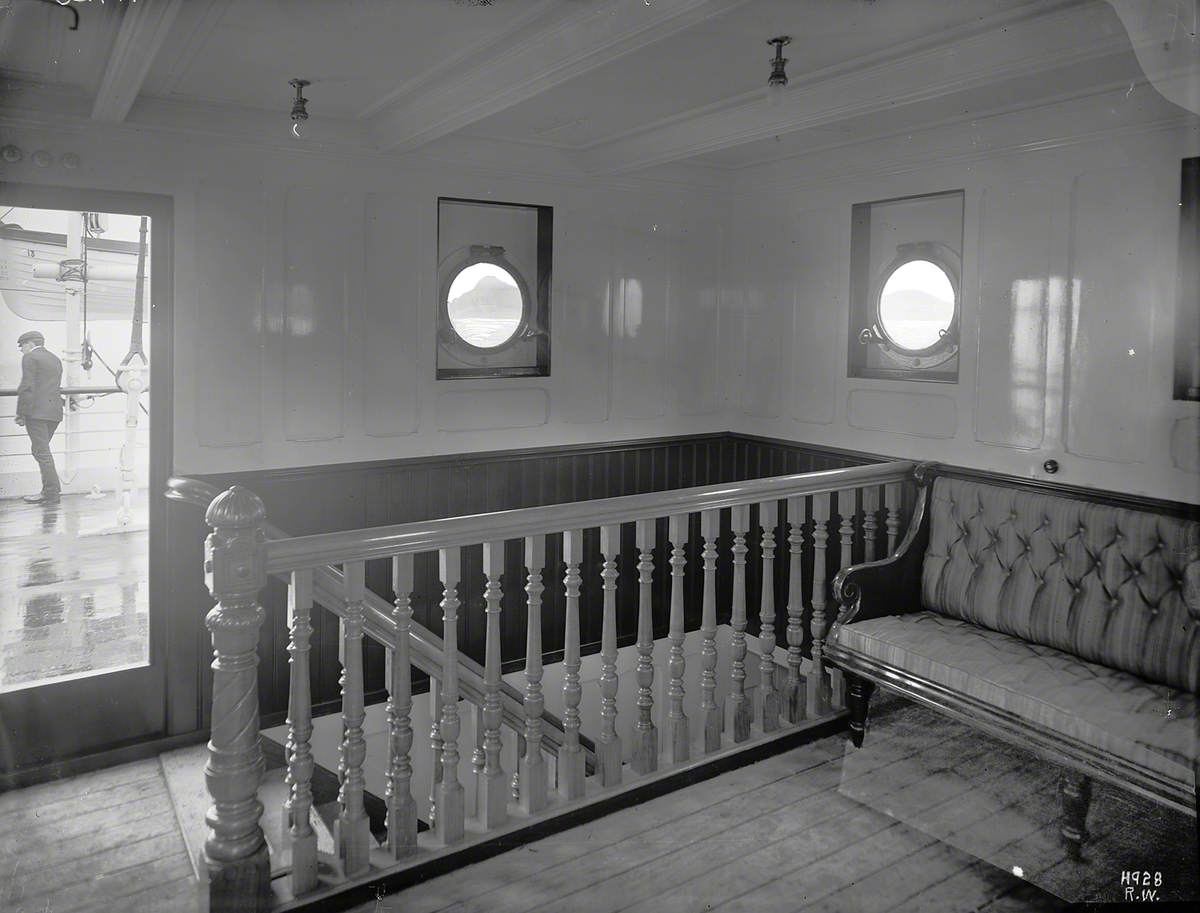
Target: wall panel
point(582, 320)
point(1014, 273)
point(644, 269)
point(229, 304)
point(316, 225)
point(821, 257)
point(391, 307)
point(919, 414)
point(1121, 224)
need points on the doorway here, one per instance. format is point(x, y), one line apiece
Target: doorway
point(85, 282)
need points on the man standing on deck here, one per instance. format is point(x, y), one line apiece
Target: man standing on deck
point(40, 409)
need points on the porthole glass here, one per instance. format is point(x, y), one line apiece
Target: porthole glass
point(485, 305)
point(916, 305)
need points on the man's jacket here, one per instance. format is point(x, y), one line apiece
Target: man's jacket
point(40, 392)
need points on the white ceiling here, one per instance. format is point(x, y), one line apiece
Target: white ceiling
point(620, 85)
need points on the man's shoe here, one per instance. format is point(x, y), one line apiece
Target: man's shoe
point(42, 498)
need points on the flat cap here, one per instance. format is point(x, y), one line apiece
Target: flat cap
point(34, 336)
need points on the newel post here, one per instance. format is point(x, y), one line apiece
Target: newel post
point(235, 570)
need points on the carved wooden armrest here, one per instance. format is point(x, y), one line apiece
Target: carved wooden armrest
point(892, 585)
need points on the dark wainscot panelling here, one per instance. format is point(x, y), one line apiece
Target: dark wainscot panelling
point(322, 499)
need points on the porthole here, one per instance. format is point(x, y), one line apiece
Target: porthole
point(485, 305)
point(917, 305)
point(485, 302)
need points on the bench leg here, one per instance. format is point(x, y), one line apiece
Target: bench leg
point(1075, 791)
point(858, 698)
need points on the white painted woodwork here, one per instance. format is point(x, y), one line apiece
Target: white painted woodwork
point(819, 262)
point(532, 787)
point(492, 787)
point(710, 710)
point(767, 703)
point(847, 502)
point(402, 807)
point(491, 410)
point(392, 350)
point(144, 28)
point(582, 315)
point(740, 709)
point(793, 698)
point(302, 839)
point(678, 735)
point(645, 290)
point(435, 748)
point(353, 828)
point(818, 681)
point(1010, 46)
point(645, 733)
point(570, 755)
point(567, 47)
point(229, 291)
point(1118, 272)
point(451, 808)
point(316, 256)
point(608, 743)
point(1014, 277)
point(917, 414)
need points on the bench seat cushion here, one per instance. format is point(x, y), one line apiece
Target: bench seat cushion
point(1150, 725)
point(1102, 583)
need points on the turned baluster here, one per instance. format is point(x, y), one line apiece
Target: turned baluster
point(435, 747)
point(768, 702)
point(235, 569)
point(451, 808)
point(301, 836)
point(818, 682)
point(847, 511)
point(740, 710)
point(608, 746)
point(492, 788)
point(532, 769)
point(570, 755)
point(870, 523)
point(401, 806)
point(891, 500)
point(710, 523)
point(794, 691)
point(645, 735)
point(676, 719)
point(353, 826)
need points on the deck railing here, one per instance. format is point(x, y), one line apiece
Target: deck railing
point(552, 774)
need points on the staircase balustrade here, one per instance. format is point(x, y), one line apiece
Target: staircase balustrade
point(762, 692)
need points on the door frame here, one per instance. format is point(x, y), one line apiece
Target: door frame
point(88, 726)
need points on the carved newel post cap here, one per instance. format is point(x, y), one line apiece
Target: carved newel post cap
point(234, 508)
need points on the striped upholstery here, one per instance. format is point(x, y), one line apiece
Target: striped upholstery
point(1099, 583)
point(1152, 726)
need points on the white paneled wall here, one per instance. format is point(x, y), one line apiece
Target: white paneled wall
point(305, 314)
point(1068, 307)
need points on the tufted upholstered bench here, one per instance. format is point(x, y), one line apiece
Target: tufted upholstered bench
point(1067, 626)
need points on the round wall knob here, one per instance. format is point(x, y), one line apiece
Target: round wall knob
point(1051, 466)
point(11, 154)
point(42, 158)
point(70, 160)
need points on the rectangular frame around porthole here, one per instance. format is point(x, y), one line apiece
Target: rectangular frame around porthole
point(926, 226)
point(518, 237)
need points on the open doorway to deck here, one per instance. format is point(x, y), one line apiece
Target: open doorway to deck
point(84, 283)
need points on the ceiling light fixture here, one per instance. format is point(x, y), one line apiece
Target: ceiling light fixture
point(778, 80)
point(299, 106)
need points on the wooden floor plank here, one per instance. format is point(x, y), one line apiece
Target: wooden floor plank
point(95, 829)
point(41, 799)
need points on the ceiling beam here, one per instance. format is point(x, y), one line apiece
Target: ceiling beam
point(1008, 48)
point(596, 35)
point(1166, 38)
point(144, 27)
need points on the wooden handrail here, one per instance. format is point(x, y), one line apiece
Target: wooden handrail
point(426, 646)
point(429, 535)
